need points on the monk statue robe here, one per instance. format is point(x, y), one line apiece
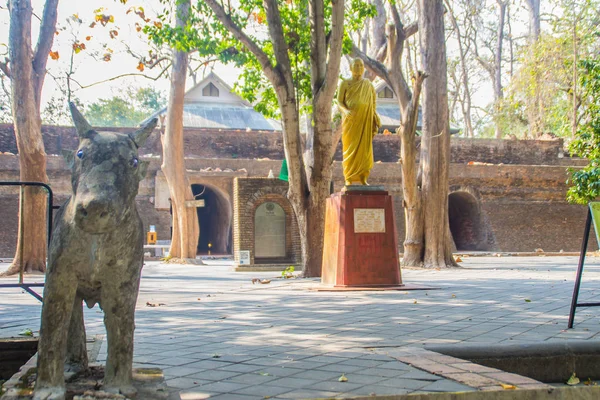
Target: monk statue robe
point(360, 122)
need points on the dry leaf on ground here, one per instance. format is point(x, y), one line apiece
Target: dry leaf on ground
point(343, 378)
point(573, 380)
point(508, 387)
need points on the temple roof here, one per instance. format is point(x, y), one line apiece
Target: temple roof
point(212, 104)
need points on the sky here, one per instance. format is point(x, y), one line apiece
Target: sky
point(89, 66)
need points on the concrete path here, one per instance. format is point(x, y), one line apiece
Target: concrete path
point(216, 334)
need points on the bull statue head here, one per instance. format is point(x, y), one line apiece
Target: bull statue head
point(106, 173)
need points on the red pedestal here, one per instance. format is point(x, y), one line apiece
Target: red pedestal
point(365, 255)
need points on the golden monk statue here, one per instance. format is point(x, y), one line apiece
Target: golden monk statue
point(360, 122)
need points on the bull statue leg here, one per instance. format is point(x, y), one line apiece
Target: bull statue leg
point(59, 293)
point(77, 359)
point(118, 302)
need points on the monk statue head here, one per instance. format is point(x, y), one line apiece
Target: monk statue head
point(358, 68)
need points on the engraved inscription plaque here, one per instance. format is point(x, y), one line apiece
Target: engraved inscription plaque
point(269, 231)
point(369, 220)
point(244, 257)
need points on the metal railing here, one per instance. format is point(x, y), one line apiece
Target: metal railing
point(22, 285)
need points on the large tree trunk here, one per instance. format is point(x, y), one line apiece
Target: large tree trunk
point(185, 219)
point(325, 67)
point(27, 72)
point(319, 188)
point(435, 144)
point(411, 188)
point(534, 102)
point(498, 94)
point(409, 105)
point(306, 195)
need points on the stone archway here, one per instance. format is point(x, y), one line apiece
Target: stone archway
point(214, 219)
point(468, 225)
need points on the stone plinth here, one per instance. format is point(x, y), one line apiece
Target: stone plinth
point(360, 248)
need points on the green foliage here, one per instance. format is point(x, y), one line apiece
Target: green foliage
point(150, 99)
point(547, 68)
point(206, 35)
point(128, 110)
point(288, 272)
point(585, 183)
point(56, 111)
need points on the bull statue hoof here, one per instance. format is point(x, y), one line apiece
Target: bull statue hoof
point(50, 393)
point(96, 255)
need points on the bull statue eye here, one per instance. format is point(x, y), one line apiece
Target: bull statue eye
point(80, 154)
point(134, 162)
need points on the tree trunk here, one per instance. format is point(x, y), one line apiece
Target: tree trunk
point(411, 188)
point(307, 196)
point(409, 105)
point(297, 192)
point(465, 102)
point(185, 219)
point(575, 104)
point(435, 144)
point(498, 94)
point(319, 188)
point(534, 103)
point(27, 73)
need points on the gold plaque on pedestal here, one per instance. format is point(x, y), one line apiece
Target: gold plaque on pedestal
point(369, 220)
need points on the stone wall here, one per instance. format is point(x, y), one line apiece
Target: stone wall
point(60, 182)
point(523, 205)
point(58, 138)
point(238, 144)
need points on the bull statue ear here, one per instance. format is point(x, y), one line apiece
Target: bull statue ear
point(83, 127)
point(141, 135)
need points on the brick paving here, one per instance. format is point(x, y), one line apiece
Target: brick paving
point(217, 335)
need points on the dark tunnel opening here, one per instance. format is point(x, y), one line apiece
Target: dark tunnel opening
point(214, 220)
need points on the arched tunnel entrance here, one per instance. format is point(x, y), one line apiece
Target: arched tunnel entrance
point(468, 224)
point(214, 219)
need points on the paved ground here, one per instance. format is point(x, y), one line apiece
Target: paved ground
point(217, 335)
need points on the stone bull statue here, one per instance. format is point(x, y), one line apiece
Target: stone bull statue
point(96, 256)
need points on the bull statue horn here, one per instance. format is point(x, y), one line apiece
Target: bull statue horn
point(141, 135)
point(82, 126)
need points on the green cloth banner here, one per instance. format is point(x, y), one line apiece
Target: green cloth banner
point(595, 209)
point(283, 174)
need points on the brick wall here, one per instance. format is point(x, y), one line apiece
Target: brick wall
point(239, 144)
point(58, 138)
point(524, 205)
point(248, 194)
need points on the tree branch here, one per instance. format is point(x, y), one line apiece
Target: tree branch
point(399, 26)
point(318, 54)
point(44, 45)
point(280, 47)
point(372, 65)
point(394, 59)
point(412, 114)
point(240, 35)
point(122, 76)
point(335, 51)
point(411, 30)
point(5, 68)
